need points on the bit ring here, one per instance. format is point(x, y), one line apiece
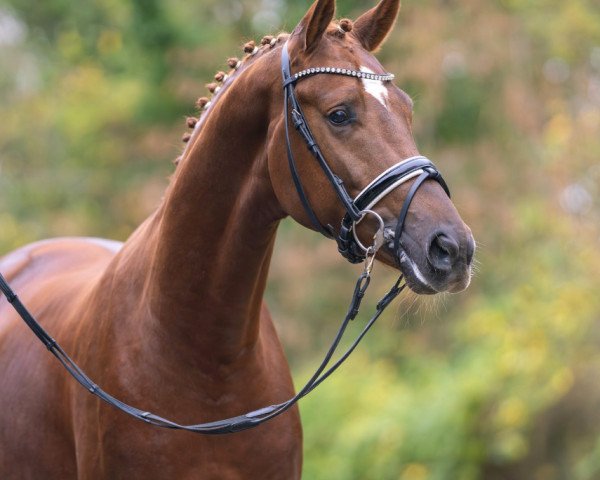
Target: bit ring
point(378, 234)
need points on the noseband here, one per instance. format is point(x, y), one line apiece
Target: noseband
point(356, 209)
point(418, 167)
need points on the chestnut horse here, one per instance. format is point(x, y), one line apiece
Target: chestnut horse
point(173, 320)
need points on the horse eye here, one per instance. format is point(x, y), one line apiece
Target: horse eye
point(339, 117)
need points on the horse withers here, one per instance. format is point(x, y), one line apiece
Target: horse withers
point(173, 320)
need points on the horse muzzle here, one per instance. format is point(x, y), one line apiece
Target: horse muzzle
point(438, 262)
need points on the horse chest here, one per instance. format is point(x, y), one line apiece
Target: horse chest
point(138, 451)
point(110, 445)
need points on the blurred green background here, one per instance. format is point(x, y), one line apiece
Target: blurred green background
point(499, 382)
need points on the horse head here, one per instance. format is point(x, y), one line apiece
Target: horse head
point(362, 125)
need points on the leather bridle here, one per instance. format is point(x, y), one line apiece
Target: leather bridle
point(418, 166)
point(415, 167)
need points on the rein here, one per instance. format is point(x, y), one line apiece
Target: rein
point(348, 245)
point(233, 424)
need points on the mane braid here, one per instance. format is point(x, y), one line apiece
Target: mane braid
point(222, 81)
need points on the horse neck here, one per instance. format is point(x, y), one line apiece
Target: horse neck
point(210, 243)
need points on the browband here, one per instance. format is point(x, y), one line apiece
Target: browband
point(387, 77)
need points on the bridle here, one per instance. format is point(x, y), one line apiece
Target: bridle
point(418, 166)
point(415, 167)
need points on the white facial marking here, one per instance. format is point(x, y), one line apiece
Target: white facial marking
point(375, 88)
point(405, 259)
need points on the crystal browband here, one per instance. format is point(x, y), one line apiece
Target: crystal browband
point(388, 77)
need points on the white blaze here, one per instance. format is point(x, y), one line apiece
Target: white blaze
point(375, 88)
point(404, 258)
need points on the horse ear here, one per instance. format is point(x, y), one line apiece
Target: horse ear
point(373, 26)
point(315, 22)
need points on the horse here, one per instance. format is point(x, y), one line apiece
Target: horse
point(173, 319)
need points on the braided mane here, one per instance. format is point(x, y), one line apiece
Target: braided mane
point(222, 80)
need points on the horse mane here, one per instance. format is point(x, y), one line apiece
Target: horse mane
point(222, 80)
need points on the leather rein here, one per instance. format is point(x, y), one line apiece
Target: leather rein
point(348, 245)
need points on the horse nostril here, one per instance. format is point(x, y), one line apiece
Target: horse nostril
point(442, 252)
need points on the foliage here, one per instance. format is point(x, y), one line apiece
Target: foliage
point(468, 408)
point(499, 382)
